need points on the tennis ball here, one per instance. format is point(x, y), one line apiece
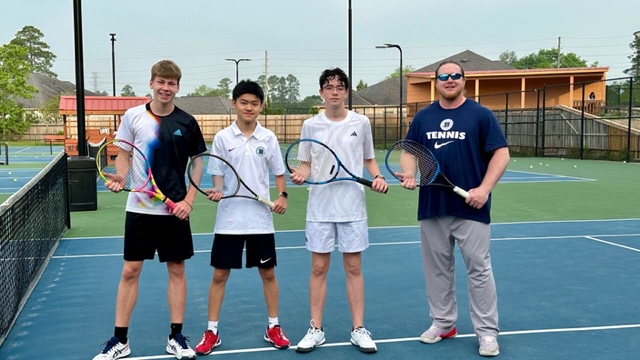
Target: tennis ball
point(15, 179)
point(530, 166)
point(575, 166)
point(308, 189)
point(514, 160)
point(562, 159)
point(540, 163)
point(9, 173)
point(547, 164)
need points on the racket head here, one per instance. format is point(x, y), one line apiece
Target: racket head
point(208, 171)
point(410, 157)
point(133, 171)
point(315, 161)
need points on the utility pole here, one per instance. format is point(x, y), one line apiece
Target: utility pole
point(350, 27)
point(266, 78)
point(558, 52)
point(113, 75)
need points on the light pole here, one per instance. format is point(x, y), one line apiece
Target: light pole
point(237, 61)
point(386, 46)
point(350, 59)
point(113, 74)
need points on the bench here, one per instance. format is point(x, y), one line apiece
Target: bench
point(53, 139)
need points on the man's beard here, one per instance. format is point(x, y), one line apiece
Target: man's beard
point(451, 96)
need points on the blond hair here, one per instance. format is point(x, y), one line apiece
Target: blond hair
point(166, 69)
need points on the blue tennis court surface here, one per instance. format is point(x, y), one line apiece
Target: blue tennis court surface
point(13, 179)
point(566, 290)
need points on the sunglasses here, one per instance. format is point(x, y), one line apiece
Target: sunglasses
point(454, 76)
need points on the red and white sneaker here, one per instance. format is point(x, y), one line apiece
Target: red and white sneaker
point(276, 337)
point(208, 342)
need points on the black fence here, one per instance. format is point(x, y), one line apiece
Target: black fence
point(590, 120)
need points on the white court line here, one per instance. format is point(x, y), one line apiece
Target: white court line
point(593, 237)
point(398, 340)
point(19, 151)
point(402, 227)
point(612, 243)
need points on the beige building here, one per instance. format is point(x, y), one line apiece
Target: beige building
point(497, 85)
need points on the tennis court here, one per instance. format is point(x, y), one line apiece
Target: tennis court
point(565, 250)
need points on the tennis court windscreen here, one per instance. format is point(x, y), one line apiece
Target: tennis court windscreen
point(32, 221)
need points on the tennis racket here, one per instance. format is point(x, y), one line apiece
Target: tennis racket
point(207, 171)
point(410, 157)
point(131, 169)
point(318, 163)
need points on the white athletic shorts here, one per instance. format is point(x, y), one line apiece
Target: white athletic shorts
point(352, 237)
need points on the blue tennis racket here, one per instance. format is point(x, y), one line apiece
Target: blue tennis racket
point(318, 164)
point(414, 159)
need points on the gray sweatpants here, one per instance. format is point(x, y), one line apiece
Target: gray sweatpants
point(438, 237)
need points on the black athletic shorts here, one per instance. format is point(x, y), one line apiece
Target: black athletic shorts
point(226, 251)
point(145, 234)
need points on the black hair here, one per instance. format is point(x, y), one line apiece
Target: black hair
point(449, 62)
point(331, 74)
point(248, 87)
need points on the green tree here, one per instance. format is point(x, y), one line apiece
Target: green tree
point(508, 57)
point(38, 54)
point(49, 111)
point(202, 90)
point(14, 72)
point(223, 89)
point(292, 89)
point(543, 59)
point(634, 70)
point(283, 92)
point(127, 90)
point(311, 103)
point(361, 85)
point(405, 70)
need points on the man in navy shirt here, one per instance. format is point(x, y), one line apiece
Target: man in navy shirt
point(469, 144)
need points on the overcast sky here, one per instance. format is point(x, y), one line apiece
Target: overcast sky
point(303, 37)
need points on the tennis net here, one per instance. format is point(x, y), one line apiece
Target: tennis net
point(32, 221)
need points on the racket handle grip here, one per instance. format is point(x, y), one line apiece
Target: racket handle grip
point(461, 192)
point(266, 202)
point(369, 183)
point(365, 182)
point(170, 204)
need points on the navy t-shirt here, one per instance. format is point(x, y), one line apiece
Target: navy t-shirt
point(462, 140)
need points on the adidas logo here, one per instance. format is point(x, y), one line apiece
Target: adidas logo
point(177, 133)
point(354, 134)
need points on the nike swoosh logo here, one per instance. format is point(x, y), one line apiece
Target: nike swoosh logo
point(438, 146)
point(230, 150)
point(264, 261)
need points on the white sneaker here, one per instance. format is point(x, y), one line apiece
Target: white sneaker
point(113, 350)
point(488, 346)
point(361, 338)
point(435, 334)
point(314, 337)
point(178, 346)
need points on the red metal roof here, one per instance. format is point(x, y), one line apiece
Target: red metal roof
point(109, 105)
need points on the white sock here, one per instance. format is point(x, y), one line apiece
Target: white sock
point(273, 322)
point(213, 326)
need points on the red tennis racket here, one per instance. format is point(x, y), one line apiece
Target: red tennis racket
point(130, 168)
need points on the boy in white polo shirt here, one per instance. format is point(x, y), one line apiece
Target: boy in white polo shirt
point(252, 150)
